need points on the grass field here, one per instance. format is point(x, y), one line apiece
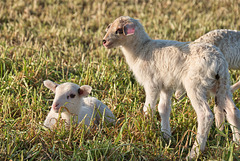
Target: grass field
point(61, 40)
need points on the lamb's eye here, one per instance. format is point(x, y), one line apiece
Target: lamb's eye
point(72, 95)
point(119, 31)
point(67, 97)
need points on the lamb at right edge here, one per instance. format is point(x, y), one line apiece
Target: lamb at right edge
point(228, 41)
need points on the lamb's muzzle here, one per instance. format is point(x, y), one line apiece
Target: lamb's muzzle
point(56, 107)
point(104, 42)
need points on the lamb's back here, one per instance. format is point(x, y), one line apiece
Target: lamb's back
point(166, 62)
point(99, 109)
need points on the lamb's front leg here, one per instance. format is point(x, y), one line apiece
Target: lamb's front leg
point(164, 109)
point(51, 119)
point(151, 99)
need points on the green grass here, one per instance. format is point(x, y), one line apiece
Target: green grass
point(60, 40)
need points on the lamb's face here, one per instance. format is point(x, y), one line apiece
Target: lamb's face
point(67, 95)
point(118, 32)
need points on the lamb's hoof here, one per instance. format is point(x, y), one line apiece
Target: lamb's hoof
point(166, 135)
point(190, 157)
point(194, 153)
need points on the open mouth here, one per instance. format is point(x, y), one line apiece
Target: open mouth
point(56, 110)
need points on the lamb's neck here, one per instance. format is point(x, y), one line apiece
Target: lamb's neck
point(67, 116)
point(132, 51)
point(79, 106)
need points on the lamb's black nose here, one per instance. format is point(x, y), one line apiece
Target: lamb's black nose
point(104, 41)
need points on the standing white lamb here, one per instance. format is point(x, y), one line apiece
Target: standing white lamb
point(163, 65)
point(79, 106)
point(228, 41)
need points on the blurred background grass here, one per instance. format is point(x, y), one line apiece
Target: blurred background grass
point(61, 40)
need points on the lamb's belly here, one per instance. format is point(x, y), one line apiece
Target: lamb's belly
point(161, 76)
point(171, 82)
point(143, 76)
point(156, 80)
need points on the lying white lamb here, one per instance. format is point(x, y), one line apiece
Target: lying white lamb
point(79, 106)
point(162, 66)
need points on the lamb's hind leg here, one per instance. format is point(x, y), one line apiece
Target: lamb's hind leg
point(225, 106)
point(233, 117)
point(219, 106)
point(198, 99)
point(235, 87)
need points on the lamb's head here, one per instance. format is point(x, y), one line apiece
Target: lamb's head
point(120, 32)
point(68, 95)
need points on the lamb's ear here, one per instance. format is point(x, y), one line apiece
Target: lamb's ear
point(108, 27)
point(84, 90)
point(129, 29)
point(50, 85)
